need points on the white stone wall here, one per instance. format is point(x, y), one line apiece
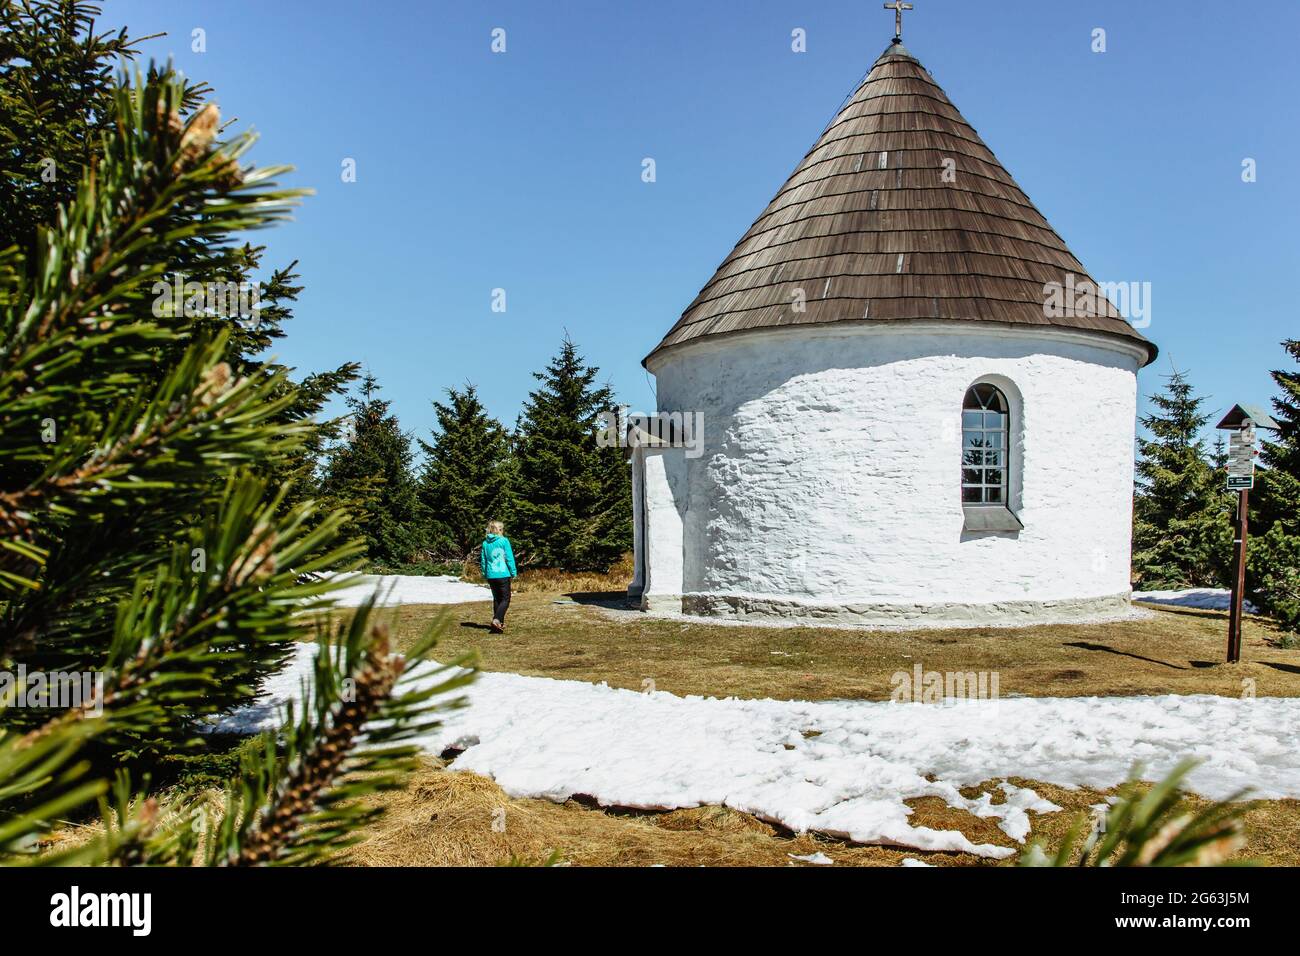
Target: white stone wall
point(665, 493)
point(638, 523)
point(831, 466)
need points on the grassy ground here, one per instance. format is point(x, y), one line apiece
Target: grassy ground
point(558, 627)
point(554, 635)
point(447, 818)
point(451, 818)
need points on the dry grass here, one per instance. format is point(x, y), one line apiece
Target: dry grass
point(552, 581)
point(446, 818)
point(567, 635)
point(175, 807)
point(558, 629)
point(561, 626)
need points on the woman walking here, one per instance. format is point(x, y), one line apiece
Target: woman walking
point(497, 561)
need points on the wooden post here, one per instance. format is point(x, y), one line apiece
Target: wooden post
point(1238, 579)
point(1243, 420)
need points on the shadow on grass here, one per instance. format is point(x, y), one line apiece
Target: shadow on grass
point(610, 599)
point(1287, 668)
point(1276, 665)
point(1085, 645)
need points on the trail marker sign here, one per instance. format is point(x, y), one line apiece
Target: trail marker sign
point(1241, 421)
point(1241, 458)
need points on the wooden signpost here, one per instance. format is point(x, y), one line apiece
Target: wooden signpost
point(1241, 421)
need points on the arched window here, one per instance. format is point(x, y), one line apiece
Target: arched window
point(985, 420)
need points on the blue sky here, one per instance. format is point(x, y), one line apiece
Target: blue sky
point(522, 170)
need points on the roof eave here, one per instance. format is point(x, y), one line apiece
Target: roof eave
point(1135, 341)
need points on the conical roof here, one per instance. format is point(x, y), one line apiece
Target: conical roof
point(898, 213)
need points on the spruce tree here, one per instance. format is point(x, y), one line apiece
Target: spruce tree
point(465, 481)
point(613, 525)
point(1181, 530)
point(1281, 452)
point(1273, 558)
point(58, 90)
point(369, 474)
point(572, 507)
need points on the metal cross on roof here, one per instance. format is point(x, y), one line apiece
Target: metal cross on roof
point(898, 7)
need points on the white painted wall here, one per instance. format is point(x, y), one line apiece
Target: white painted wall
point(638, 522)
point(664, 479)
point(831, 465)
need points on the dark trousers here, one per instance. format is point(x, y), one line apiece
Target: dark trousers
point(500, 597)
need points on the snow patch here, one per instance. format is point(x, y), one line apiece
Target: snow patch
point(539, 737)
point(395, 589)
point(1205, 599)
point(819, 858)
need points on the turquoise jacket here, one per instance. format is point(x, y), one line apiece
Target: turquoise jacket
point(497, 559)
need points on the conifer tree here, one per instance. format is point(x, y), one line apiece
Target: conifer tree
point(572, 507)
point(1281, 452)
point(466, 478)
point(57, 89)
point(1219, 453)
point(613, 525)
point(57, 98)
point(368, 472)
point(1273, 559)
point(1181, 530)
point(139, 539)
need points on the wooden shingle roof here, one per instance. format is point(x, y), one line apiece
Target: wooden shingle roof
point(869, 229)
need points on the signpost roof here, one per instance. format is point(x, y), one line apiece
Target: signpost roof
point(1240, 414)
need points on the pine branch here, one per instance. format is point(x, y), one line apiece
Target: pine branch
point(300, 800)
point(1152, 829)
point(138, 543)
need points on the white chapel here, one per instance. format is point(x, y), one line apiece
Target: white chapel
point(901, 423)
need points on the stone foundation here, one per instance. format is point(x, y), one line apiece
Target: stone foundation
point(777, 610)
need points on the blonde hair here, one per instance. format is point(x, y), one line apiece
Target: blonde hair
point(496, 527)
